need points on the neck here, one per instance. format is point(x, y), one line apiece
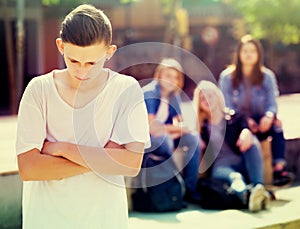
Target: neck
point(247, 70)
point(164, 94)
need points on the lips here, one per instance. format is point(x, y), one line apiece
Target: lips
point(81, 79)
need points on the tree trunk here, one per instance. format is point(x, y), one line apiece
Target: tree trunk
point(171, 24)
point(20, 49)
point(10, 60)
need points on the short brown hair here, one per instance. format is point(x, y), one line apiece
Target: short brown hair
point(86, 25)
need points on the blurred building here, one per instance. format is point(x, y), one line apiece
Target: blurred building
point(209, 30)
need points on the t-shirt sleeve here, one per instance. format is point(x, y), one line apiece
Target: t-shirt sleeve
point(131, 122)
point(31, 127)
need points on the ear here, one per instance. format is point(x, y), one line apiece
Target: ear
point(111, 51)
point(60, 45)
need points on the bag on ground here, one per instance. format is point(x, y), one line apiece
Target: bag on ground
point(216, 194)
point(161, 187)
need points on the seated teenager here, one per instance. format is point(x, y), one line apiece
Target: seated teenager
point(231, 148)
point(251, 89)
point(166, 130)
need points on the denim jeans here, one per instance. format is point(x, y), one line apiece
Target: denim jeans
point(246, 167)
point(277, 144)
point(165, 146)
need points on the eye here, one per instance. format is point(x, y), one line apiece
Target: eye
point(73, 61)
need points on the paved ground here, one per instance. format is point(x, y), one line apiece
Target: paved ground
point(284, 213)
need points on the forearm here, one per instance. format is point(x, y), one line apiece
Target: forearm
point(36, 166)
point(113, 161)
point(173, 129)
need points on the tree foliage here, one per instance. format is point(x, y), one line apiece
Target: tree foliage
point(273, 20)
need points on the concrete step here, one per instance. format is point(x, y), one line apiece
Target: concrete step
point(293, 157)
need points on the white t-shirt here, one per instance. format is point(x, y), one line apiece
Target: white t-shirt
point(162, 113)
point(88, 200)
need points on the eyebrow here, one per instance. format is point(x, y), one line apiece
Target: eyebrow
point(90, 62)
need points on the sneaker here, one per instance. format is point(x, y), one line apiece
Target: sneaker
point(257, 198)
point(282, 177)
point(267, 200)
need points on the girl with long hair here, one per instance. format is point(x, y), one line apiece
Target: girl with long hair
point(251, 89)
point(233, 151)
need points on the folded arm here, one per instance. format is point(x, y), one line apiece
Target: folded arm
point(60, 160)
point(36, 166)
point(113, 159)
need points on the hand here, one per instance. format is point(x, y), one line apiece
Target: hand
point(113, 145)
point(52, 148)
point(252, 125)
point(265, 124)
point(157, 129)
point(245, 140)
point(185, 130)
point(178, 131)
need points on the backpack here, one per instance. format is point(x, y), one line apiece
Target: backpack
point(216, 194)
point(161, 187)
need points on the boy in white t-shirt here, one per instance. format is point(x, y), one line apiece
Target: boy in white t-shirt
point(80, 131)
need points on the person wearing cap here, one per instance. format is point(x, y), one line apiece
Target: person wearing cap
point(167, 132)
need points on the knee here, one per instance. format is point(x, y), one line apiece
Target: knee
point(191, 139)
point(162, 142)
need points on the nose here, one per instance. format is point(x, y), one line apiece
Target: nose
point(82, 70)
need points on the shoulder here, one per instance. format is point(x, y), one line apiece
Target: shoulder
point(124, 86)
point(226, 76)
point(269, 75)
point(152, 86)
point(151, 89)
point(123, 81)
point(40, 82)
point(268, 72)
point(225, 79)
point(41, 78)
point(226, 73)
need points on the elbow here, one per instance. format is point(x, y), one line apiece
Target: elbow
point(25, 176)
point(25, 168)
point(135, 167)
point(24, 171)
point(133, 172)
